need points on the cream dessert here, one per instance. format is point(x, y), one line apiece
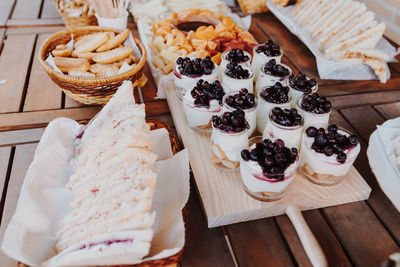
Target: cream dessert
point(285, 124)
point(327, 155)
point(263, 53)
point(245, 101)
point(271, 73)
point(270, 97)
point(188, 71)
point(201, 103)
point(236, 77)
point(237, 56)
point(315, 110)
point(299, 85)
point(229, 137)
point(268, 168)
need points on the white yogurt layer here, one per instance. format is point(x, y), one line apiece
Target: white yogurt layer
point(267, 80)
point(230, 143)
point(188, 83)
point(234, 85)
point(291, 135)
point(254, 179)
point(323, 164)
point(199, 116)
point(264, 108)
point(224, 62)
point(259, 59)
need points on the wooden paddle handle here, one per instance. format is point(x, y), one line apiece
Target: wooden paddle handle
point(308, 240)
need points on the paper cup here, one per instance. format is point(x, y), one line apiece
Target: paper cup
point(115, 23)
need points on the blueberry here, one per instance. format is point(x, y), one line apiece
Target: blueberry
point(253, 155)
point(328, 151)
point(353, 140)
point(341, 157)
point(320, 140)
point(311, 131)
point(269, 162)
point(245, 154)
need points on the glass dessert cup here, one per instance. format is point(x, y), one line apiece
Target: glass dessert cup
point(263, 110)
point(224, 62)
point(259, 59)
point(226, 147)
point(261, 187)
point(325, 170)
point(234, 85)
point(266, 80)
point(291, 135)
point(199, 118)
point(297, 94)
point(313, 119)
point(250, 113)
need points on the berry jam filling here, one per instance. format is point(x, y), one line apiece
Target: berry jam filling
point(286, 117)
point(300, 82)
point(278, 70)
point(277, 94)
point(314, 103)
point(241, 100)
point(331, 142)
point(231, 122)
point(204, 92)
point(273, 157)
point(196, 67)
point(269, 48)
point(236, 71)
point(237, 56)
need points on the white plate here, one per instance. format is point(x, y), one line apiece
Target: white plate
point(385, 171)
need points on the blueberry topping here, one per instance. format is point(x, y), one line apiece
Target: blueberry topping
point(204, 92)
point(315, 103)
point(301, 83)
point(331, 142)
point(241, 100)
point(237, 56)
point(274, 69)
point(286, 117)
point(273, 157)
point(196, 67)
point(236, 71)
point(277, 93)
point(269, 48)
point(231, 122)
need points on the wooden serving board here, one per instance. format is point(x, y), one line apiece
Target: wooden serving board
point(225, 201)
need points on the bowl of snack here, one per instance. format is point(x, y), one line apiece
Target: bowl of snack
point(315, 110)
point(271, 73)
point(237, 56)
point(299, 85)
point(90, 67)
point(236, 77)
point(263, 53)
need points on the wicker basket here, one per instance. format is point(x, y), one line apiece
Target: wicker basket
point(173, 260)
point(88, 90)
point(70, 22)
point(253, 6)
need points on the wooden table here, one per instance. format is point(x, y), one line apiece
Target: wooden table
point(360, 234)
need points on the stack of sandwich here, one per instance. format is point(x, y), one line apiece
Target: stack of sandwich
point(112, 184)
point(344, 30)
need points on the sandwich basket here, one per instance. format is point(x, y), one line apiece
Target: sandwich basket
point(85, 18)
point(173, 260)
point(89, 90)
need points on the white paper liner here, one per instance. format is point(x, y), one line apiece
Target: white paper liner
point(44, 200)
point(124, 67)
point(330, 69)
point(144, 26)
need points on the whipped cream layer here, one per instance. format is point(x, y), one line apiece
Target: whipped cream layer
point(230, 143)
point(313, 119)
point(188, 83)
point(259, 59)
point(199, 116)
point(323, 164)
point(290, 135)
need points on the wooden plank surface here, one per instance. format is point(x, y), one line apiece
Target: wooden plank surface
point(26, 9)
point(17, 53)
point(34, 22)
point(222, 195)
point(49, 10)
point(22, 158)
point(5, 10)
point(9, 138)
point(5, 153)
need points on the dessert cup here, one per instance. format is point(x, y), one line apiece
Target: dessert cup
point(226, 147)
point(234, 85)
point(297, 94)
point(259, 59)
point(313, 119)
point(291, 135)
point(325, 170)
point(265, 80)
point(263, 110)
point(262, 187)
point(250, 113)
point(224, 62)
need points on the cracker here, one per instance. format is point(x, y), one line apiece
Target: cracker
point(61, 52)
point(92, 43)
point(114, 42)
point(66, 64)
point(107, 72)
point(83, 74)
point(113, 55)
